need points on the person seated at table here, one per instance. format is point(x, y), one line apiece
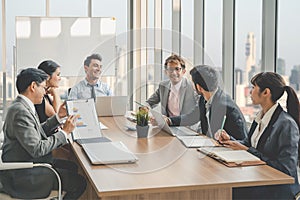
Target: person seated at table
point(273, 136)
point(91, 86)
point(27, 140)
point(51, 100)
point(213, 105)
point(177, 94)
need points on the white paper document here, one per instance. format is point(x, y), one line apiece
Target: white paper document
point(197, 141)
point(87, 125)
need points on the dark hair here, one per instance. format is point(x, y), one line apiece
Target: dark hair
point(48, 66)
point(174, 59)
point(88, 59)
point(27, 76)
point(205, 76)
point(277, 86)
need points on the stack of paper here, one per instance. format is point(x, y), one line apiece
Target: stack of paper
point(231, 157)
point(197, 141)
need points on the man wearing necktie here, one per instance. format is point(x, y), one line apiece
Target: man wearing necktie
point(91, 86)
point(213, 105)
point(176, 95)
point(26, 140)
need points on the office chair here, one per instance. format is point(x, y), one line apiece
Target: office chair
point(24, 165)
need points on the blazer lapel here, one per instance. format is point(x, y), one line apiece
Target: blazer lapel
point(268, 130)
point(182, 93)
point(165, 97)
point(37, 121)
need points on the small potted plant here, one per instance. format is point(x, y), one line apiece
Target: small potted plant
point(142, 118)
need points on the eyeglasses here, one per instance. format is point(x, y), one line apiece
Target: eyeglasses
point(39, 85)
point(177, 69)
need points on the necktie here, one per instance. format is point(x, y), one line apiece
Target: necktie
point(93, 94)
point(173, 104)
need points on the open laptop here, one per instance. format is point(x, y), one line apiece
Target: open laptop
point(111, 105)
point(173, 130)
point(108, 153)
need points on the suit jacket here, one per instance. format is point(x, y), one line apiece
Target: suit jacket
point(278, 145)
point(221, 105)
point(25, 139)
point(188, 97)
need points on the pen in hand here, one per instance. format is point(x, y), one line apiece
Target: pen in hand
point(219, 133)
point(223, 122)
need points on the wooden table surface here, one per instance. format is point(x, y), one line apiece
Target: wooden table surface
point(165, 166)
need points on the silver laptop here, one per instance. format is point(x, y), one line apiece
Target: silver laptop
point(108, 153)
point(173, 130)
point(111, 105)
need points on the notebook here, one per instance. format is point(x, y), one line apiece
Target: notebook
point(108, 153)
point(231, 158)
point(197, 141)
point(174, 131)
point(87, 125)
point(111, 105)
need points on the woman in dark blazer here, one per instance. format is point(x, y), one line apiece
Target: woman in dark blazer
point(273, 136)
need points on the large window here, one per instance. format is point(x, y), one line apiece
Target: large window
point(213, 33)
point(187, 33)
point(248, 25)
point(288, 61)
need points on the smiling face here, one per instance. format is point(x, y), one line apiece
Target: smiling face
point(93, 71)
point(175, 72)
point(54, 79)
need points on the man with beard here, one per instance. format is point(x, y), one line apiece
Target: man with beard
point(91, 86)
point(213, 105)
point(176, 95)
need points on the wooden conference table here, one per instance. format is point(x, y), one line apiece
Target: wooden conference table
point(166, 170)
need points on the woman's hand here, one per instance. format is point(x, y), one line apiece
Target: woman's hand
point(222, 136)
point(235, 145)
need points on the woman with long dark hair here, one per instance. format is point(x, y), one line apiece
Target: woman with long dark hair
point(273, 136)
point(51, 101)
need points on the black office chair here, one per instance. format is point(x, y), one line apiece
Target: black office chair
point(24, 165)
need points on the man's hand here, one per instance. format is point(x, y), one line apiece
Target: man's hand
point(70, 124)
point(62, 111)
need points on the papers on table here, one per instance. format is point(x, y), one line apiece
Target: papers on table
point(197, 141)
point(231, 157)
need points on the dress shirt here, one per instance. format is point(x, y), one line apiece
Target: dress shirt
point(207, 106)
point(262, 121)
point(173, 100)
point(82, 90)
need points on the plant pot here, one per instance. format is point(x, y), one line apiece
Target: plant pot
point(142, 131)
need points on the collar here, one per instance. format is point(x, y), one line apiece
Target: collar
point(87, 83)
point(267, 116)
point(28, 101)
point(177, 86)
point(209, 102)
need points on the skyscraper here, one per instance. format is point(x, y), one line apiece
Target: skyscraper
point(250, 55)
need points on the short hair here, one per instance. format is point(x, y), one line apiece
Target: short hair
point(174, 59)
point(29, 75)
point(88, 59)
point(48, 66)
point(205, 76)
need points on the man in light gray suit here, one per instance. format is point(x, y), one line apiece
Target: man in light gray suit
point(177, 95)
point(26, 140)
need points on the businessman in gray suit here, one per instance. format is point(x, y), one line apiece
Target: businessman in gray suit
point(177, 95)
point(26, 140)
